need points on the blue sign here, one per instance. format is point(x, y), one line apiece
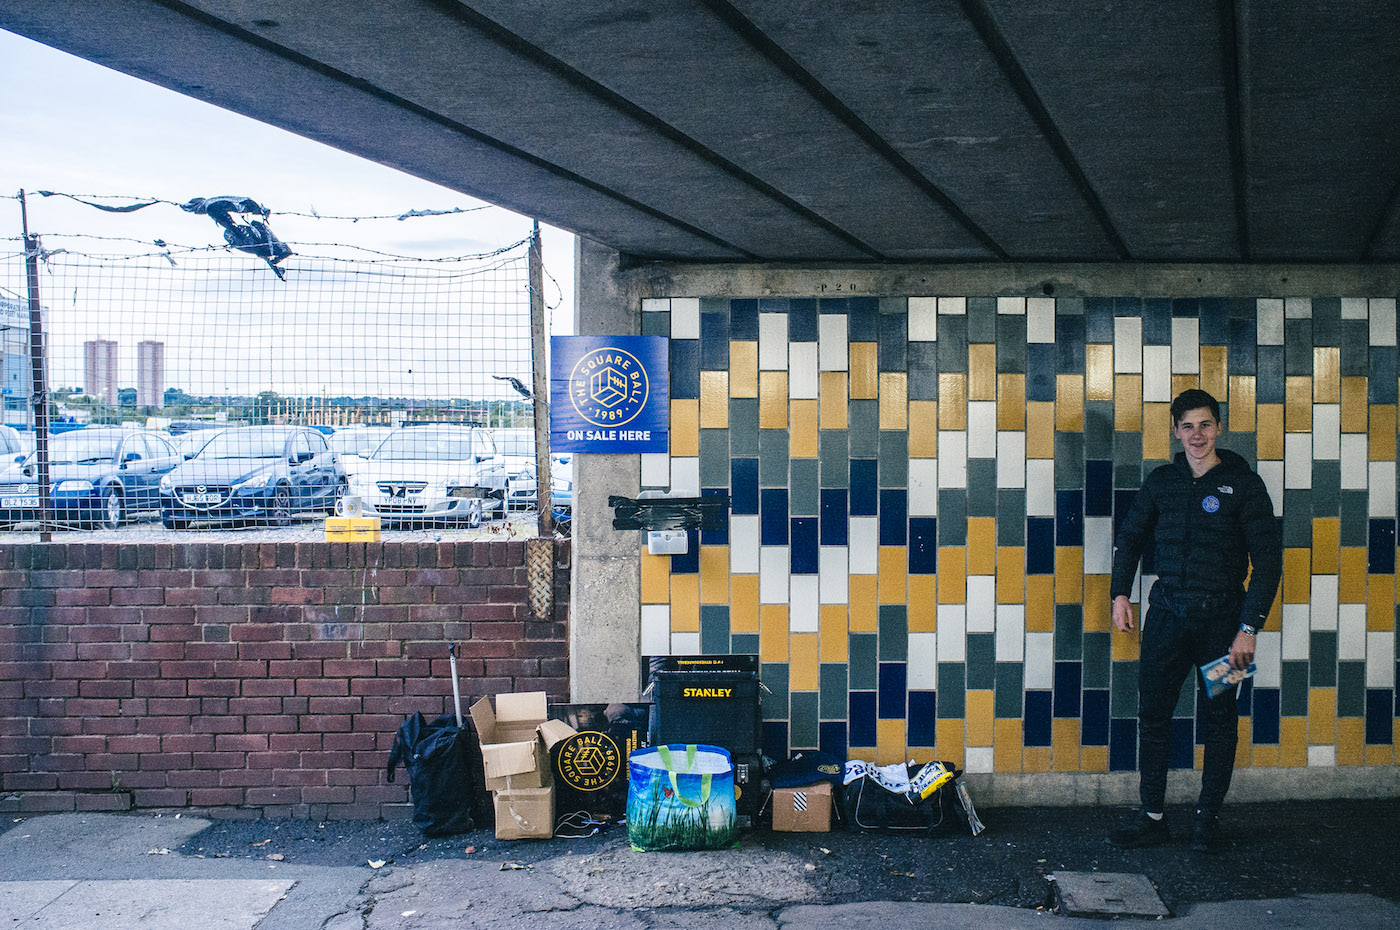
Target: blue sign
point(609, 394)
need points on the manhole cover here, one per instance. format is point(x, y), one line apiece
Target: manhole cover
point(1107, 894)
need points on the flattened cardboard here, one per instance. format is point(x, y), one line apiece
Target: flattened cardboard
point(806, 809)
point(524, 813)
point(515, 738)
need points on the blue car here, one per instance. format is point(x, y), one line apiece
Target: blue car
point(254, 473)
point(98, 476)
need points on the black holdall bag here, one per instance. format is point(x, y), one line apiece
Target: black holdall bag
point(868, 806)
point(435, 755)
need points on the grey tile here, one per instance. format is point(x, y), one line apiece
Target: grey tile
point(802, 722)
point(1355, 516)
point(1244, 445)
point(1123, 693)
point(743, 644)
point(1297, 519)
point(923, 371)
point(804, 498)
point(1069, 461)
point(894, 305)
point(1099, 313)
point(1297, 347)
point(1098, 660)
point(894, 458)
point(894, 340)
point(1326, 488)
point(743, 426)
point(1127, 459)
point(952, 344)
point(1322, 659)
point(1293, 690)
point(981, 661)
point(834, 691)
point(714, 458)
point(1326, 321)
point(656, 324)
point(981, 319)
point(772, 458)
point(714, 305)
point(1011, 517)
point(952, 690)
point(1356, 344)
point(775, 700)
point(981, 487)
point(835, 458)
point(1011, 344)
point(1351, 689)
point(714, 629)
point(952, 517)
point(894, 633)
point(1151, 465)
point(1007, 704)
point(864, 662)
point(1069, 306)
point(1098, 429)
point(1069, 632)
point(1186, 700)
point(863, 427)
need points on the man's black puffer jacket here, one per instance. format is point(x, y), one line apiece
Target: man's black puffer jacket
point(1207, 530)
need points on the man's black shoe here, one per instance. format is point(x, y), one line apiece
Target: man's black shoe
point(1205, 832)
point(1141, 832)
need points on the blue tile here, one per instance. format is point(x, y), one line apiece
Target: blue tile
point(1380, 717)
point(831, 738)
point(714, 629)
point(864, 320)
point(773, 305)
point(862, 718)
point(1181, 748)
point(952, 344)
point(1157, 321)
point(1381, 385)
point(804, 546)
point(952, 690)
point(1244, 698)
point(894, 517)
point(894, 633)
point(802, 320)
point(834, 523)
point(743, 320)
point(1037, 720)
point(894, 678)
point(802, 721)
point(1264, 720)
point(1122, 503)
point(1356, 348)
point(923, 370)
point(1098, 317)
point(1040, 371)
point(863, 656)
point(714, 342)
point(894, 338)
point(865, 501)
point(718, 536)
point(923, 546)
point(1215, 322)
point(952, 517)
point(743, 486)
point(656, 324)
point(688, 564)
point(1244, 346)
point(773, 517)
point(1069, 518)
point(1122, 745)
point(1098, 488)
point(981, 320)
point(775, 739)
point(1269, 383)
point(1093, 728)
point(1040, 545)
point(743, 644)
point(1069, 345)
point(833, 305)
point(1380, 559)
point(1297, 347)
point(1186, 307)
point(1068, 678)
point(1327, 321)
point(685, 368)
point(923, 718)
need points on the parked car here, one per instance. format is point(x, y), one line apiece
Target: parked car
point(522, 489)
point(11, 448)
point(432, 472)
point(254, 473)
point(98, 476)
point(189, 444)
point(516, 452)
point(355, 444)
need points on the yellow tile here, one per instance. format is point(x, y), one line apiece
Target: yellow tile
point(1040, 430)
point(1269, 431)
point(1242, 747)
point(1351, 741)
point(1381, 443)
point(1064, 744)
point(923, 603)
point(1351, 575)
point(1293, 742)
point(1127, 403)
point(1265, 756)
point(1093, 759)
point(1040, 603)
point(685, 426)
point(1199, 757)
point(952, 401)
point(981, 545)
point(1156, 431)
point(952, 575)
point(1035, 759)
point(1274, 620)
point(1215, 369)
point(714, 574)
point(1327, 375)
point(772, 400)
point(894, 574)
point(1011, 402)
point(1297, 406)
point(921, 754)
point(1326, 543)
point(1297, 576)
point(1242, 394)
point(979, 718)
point(743, 604)
point(1322, 716)
point(834, 402)
point(835, 638)
point(1011, 574)
point(1098, 372)
point(773, 633)
point(804, 663)
point(1184, 383)
point(1069, 574)
point(802, 434)
point(1380, 603)
point(865, 604)
point(982, 372)
point(1354, 405)
point(1127, 646)
point(1069, 403)
point(1380, 755)
point(865, 371)
point(949, 741)
point(894, 400)
point(743, 369)
point(861, 753)
point(714, 400)
point(889, 741)
point(1006, 750)
point(685, 603)
point(656, 578)
point(1098, 607)
point(923, 429)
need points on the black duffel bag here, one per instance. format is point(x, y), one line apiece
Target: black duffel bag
point(435, 755)
point(868, 806)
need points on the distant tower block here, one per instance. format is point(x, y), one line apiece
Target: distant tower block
point(150, 374)
point(100, 370)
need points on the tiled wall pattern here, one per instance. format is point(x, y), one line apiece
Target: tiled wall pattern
point(924, 495)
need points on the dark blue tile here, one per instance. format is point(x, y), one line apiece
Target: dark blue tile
point(714, 342)
point(952, 690)
point(1297, 347)
point(1380, 559)
point(719, 536)
point(1038, 716)
point(834, 519)
point(1381, 385)
point(743, 320)
point(923, 370)
point(1380, 717)
point(688, 564)
point(831, 738)
point(894, 517)
point(1098, 318)
point(802, 320)
point(775, 739)
point(952, 344)
point(981, 320)
point(1011, 343)
point(894, 678)
point(1269, 383)
point(1040, 545)
point(923, 718)
point(1122, 503)
point(1093, 728)
point(1068, 678)
point(864, 320)
point(923, 546)
point(833, 305)
point(1122, 745)
point(804, 546)
point(773, 517)
point(1244, 698)
point(894, 338)
point(714, 629)
point(1182, 747)
point(773, 305)
point(1356, 348)
point(952, 517)
point(1264, 720)
point(1215, 322)
point(656, 324)
point(685, 368)
point(865, 476)
point(861, 719)
point(1327, 321)
point(1069, 518)
point(743, 486)
point(894, 633)
point(1040, 371)
point(1069, 345)
point(1244, 346)
point(1098, 488)
point(1186, 307)
point(1157, 321)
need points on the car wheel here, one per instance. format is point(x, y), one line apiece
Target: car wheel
point(341, 489)
point(174, 523)
point(113, 509)
point(279, 511)
point(474, 515)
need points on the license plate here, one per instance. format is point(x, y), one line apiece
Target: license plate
point(209, 498)
point(19, 503)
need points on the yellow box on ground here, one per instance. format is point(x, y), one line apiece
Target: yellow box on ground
point(352, 529)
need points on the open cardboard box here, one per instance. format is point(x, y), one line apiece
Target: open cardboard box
point(516, 738)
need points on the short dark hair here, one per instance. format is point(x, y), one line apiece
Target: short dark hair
point(1194, 399)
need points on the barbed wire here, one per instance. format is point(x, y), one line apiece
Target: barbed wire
point(164, 249)
point(142, 202)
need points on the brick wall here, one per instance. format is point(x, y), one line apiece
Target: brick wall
point(251, 676)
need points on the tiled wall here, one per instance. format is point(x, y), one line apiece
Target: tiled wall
point(924, 493)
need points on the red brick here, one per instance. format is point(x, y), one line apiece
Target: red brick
point(155, 652)
point(216, 797)
point(296, 595)
point(297, 742)
point(90, 781)
point(174, 633)
point(218, 760)
point(264, 651)
point(322, 687)
point(188, 742)
point(187, 669)
point(376, 686)
point(271, 723)
point(256, 632)
point(279, 795)
point(335, 705)
point(94, 633)
point(163, 725)
point(261, 705)
point(175, 706)
point(380, 793)
point(137, 597)
point(354, 776)
point(51, 688)
point(322, 794)
point(91, 707)
point(190, 597)
point(337, 742)
point(267, 687)
point(246, 742)
point(295, 668)
point(218, 687)
point(193, 779)
point(165, 761)
point(110, 725)
point(160, 797)
point(326, 723)
point(225, 652)
point(47, 803)
point(348, 668)
point(30, 781)
point(240, 669)
point(404, 668)
point(272, 760)
point(79, 744)
point(134, 744)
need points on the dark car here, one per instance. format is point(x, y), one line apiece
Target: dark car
point(254, 473)
point(98, 476)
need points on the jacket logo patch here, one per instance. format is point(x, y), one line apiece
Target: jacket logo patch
point(1210, 504)
point(1225, 489)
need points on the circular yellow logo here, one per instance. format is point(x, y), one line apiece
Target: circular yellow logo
point(609, 387)
point(589, 761)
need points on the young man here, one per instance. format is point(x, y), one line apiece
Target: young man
point(1209, 518)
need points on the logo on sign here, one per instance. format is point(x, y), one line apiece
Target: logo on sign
point(589, 761)
point(1210, 504)
point(609, 387)
point(707, 692)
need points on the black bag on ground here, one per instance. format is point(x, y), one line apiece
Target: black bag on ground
point(435, 755)
point(867, 805)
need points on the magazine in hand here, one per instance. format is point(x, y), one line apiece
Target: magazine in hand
point(1219, 676)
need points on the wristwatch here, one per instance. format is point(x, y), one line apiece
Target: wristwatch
point(1248, 630)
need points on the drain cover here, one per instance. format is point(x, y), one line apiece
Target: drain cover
point(1107, 894)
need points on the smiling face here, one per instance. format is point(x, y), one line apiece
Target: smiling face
point(1197, 430)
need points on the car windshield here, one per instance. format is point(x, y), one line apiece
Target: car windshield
point(246, 444)
point(357, 441)
point(426, 445)
point(77, 449)
point(515, 442)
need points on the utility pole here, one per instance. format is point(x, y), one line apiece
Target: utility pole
point(39, 389)
point(544, 488)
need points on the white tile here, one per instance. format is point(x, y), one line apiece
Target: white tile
point(923, 487)
point(1040, 661)
point(833, 344)
point(1354, 452)
point(1297, 308)
point(923, 661)
point(1011, 632)
point(1381, 482)
point(685, 317)
point(1320, 757)
point(772, 341)
point(656, 470)
point(923, 319)
point(952, 633)
point(656, 629)
point(1040, 319)
point(802, 371)
point(953, 305)
point(981, 603)
point(1011, 306)
point(1351, 632)
point(952, 459)
point(1383, 321)
point(1011, 459)
point(1297, 461)
point(1098, 545)
point(1186, 346)
point(1327, 432)
point(744, 534)
point(981, 429)
point(1353, 308)
point(1040, 487)
point(1271, 473)
point(773, 573)
point(1127, 345)
point(656, 304)
point(804, 605)
point(1380, 659)
point(1296, 642)
point(685, 644)
point(834, 571)
point(685, 477)
point(1157, 374)
point(1268, 656)
point(1269, 321)
point(864, 540)
point(978, 759)
point(1142, 586)
point(1323, 612)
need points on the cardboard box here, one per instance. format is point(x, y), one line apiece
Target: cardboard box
point(516, 738)
point(352, 529)
point(803, 810)
point(524, 813)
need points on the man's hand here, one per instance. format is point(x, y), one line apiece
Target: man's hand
point(1123, 615)
point(1242, 650)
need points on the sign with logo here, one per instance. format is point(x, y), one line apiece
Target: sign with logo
point(589, 761)
point(609, 394)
